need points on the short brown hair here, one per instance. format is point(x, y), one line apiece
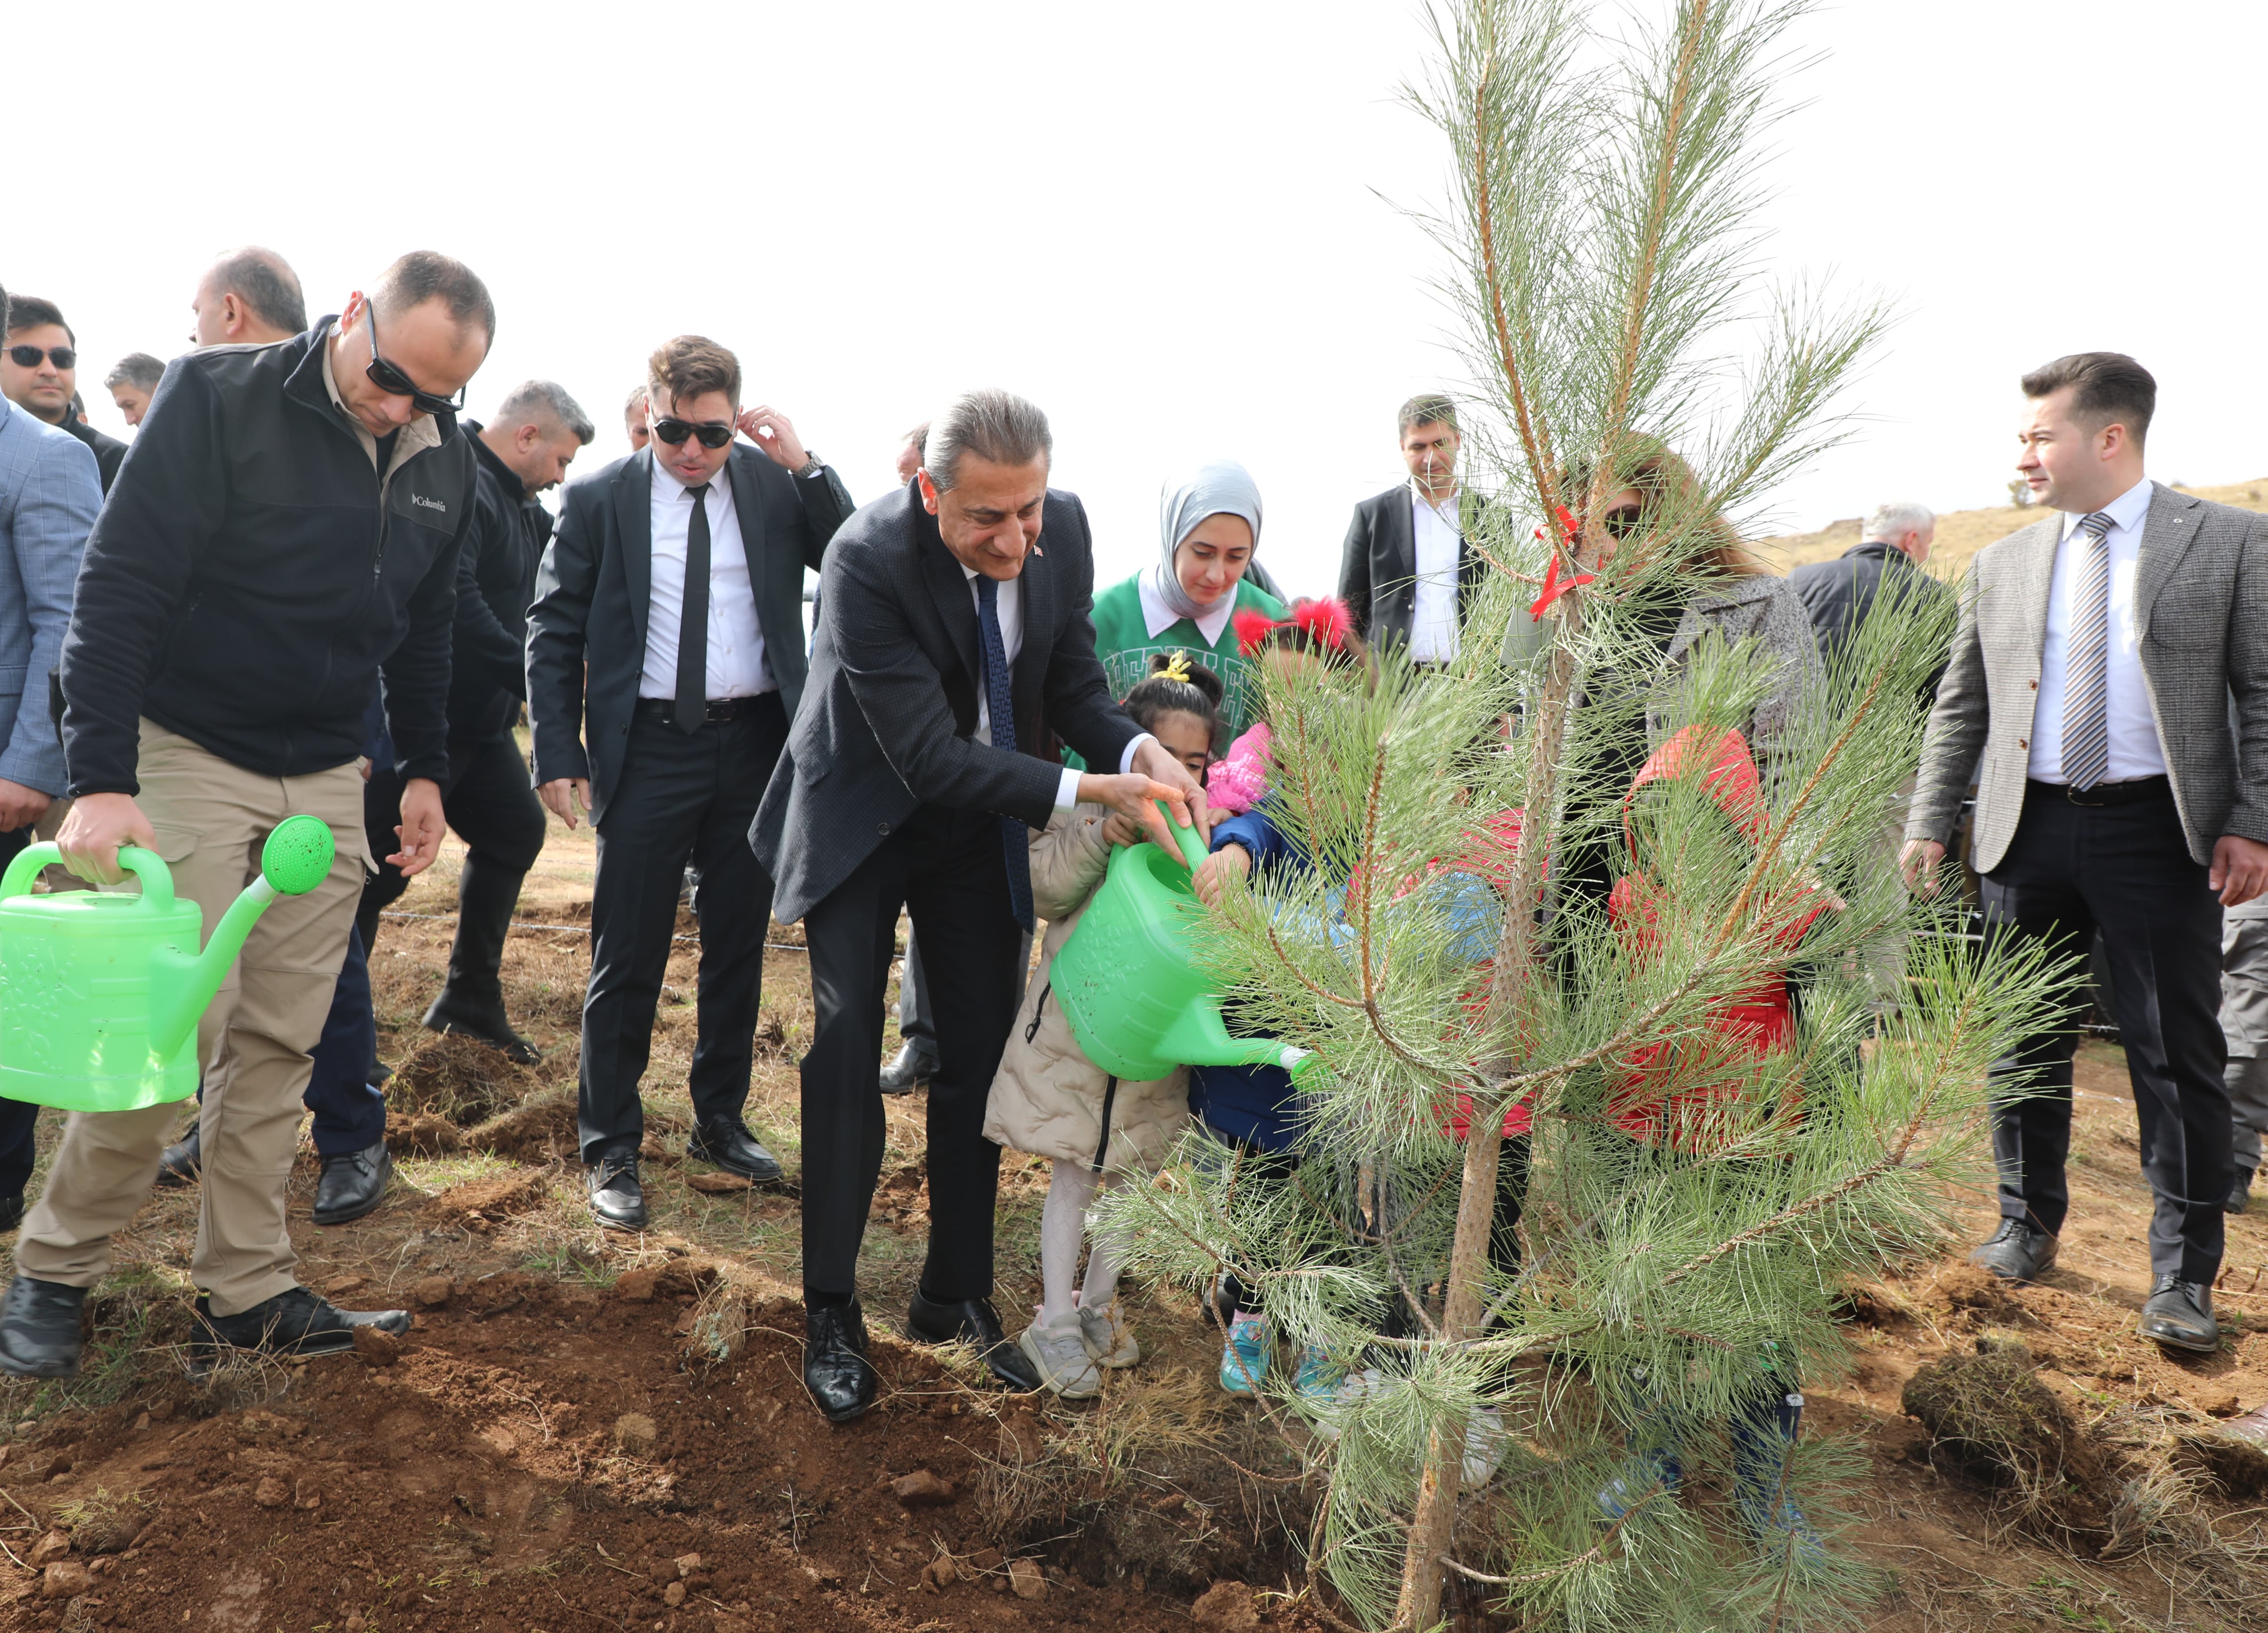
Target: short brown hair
point(1426, 409)
point(424, 275)
point(2106, 386)
point(693, 365)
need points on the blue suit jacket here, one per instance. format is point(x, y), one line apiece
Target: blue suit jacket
point(49, 493)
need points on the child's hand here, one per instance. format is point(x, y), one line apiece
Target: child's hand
point(1118, 829)
point(1230, 864)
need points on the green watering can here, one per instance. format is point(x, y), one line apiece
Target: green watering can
point(1129, 984)
point(100, 994)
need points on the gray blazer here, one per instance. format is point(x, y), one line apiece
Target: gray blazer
point(49, 495)
point(2201, 604)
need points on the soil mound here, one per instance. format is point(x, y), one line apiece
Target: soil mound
point(1990, 1418)
point(457, 1079)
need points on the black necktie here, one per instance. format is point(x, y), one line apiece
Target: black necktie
point(1000, 707)
point(693, 626)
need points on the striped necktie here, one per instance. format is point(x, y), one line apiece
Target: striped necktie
point(2087, 658)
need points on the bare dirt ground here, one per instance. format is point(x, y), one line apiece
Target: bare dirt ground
point(586, 1430)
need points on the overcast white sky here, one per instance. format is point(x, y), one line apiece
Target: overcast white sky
point(1163, 223)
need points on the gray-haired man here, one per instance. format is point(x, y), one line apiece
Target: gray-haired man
point(524, 449)
point(249, 297)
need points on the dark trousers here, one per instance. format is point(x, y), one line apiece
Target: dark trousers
point(19, 1119)
point(945, 868)
point(492, 806)
point(682, 798)
point(349, 1116)
point(914, 1016)
point(2124, 869)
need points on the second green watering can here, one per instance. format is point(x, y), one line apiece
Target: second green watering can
point(100, 994)
point(1129, 981)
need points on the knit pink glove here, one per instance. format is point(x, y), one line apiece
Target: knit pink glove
point(1240, 782)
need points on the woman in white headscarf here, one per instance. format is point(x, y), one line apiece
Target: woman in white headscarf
point(1208, 528)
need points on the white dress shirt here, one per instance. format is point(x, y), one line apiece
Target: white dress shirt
point(1433, 608)
point(736, 666)
point(1009, 604)
point(1156, 617)
point(2135, 750)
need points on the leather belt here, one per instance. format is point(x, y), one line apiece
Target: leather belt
point(718, 709)
point(2140, 788)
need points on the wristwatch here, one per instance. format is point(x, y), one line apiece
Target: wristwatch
point(812, 464)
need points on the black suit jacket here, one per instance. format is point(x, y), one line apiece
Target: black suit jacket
point(109, 452)
point(596, 584)
point(889, 721)
point(1378, 573)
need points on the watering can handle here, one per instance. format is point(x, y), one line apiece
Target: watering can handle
point(157, 879)
point(1192, 842)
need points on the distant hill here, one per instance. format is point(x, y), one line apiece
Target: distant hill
point(1962, 533)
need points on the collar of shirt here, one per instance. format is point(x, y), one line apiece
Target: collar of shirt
point(2126, 511)
point(1448, 508)
point(1156, 617)
point(420, 433)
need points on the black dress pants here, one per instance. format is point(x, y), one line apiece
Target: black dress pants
point(946, 868)
point(492, 806)
point(19, 1119)
point(682, 798)
point(2126, 870)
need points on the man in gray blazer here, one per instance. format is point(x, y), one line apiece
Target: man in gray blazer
point(2109, 690)
point(50, 491)
point(953, 635)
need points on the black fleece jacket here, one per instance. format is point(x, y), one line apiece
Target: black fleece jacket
point(248, 582)
point(496, 581)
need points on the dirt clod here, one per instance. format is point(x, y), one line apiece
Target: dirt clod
point(52, 1547)
point(673, 1595)
point(271, 1493)
point(430, 1292)
point(377, 1346)
point(940, 1574)
point(718, 1184)
point(66, 1578)
point(1024, 1576)
point(1990, 1418)
point(1228, 1605)
point(922, 1489)
point(636, 1435)
point(454, 1077)
point(501, 1196)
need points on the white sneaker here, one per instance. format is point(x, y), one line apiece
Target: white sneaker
point(1109, 1335)
point(1058, 1349)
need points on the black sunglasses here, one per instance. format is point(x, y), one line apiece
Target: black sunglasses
point(674, 431)
point(394, 382)
point(28, 357)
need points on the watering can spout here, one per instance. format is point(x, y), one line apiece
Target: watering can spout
point(296, 858)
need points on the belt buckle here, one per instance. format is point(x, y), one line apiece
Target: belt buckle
point(2075, 795)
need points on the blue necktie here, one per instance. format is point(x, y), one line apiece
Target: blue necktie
point(1000, 705)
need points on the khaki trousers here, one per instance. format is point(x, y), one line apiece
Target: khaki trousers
point(212, 818)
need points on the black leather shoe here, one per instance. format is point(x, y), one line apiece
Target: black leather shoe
point(486, 1022)
point(617, 1200)
point(727, 1142)
point(913, 1065)
point(2017, 1252)
point(295, 1321)
point(835, 1370)
point(2179, 1315)
point(2240, 1194)
point(40, 1329)
point(972, 1322)
point(352, 1185)
point(183, 1161)
point(12, 1213)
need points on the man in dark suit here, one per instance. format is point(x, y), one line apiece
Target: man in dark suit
point(676, 575)
point(947, 633)
point(2108, 694)
point(1407, 576)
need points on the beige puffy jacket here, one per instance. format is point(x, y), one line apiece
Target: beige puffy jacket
point(1049, 1099)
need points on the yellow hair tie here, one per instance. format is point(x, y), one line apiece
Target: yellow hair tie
point(1177, 667)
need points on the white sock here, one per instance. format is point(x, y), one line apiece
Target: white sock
point(1062, 1226)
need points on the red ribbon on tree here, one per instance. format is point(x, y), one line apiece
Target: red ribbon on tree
point(1554, 587)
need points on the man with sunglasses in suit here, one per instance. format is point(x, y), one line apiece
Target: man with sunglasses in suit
point(665, 660)
point(285, 535)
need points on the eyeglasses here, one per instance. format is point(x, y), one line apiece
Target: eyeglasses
point(394, 382)
point(28, 357)
point(674, 431)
